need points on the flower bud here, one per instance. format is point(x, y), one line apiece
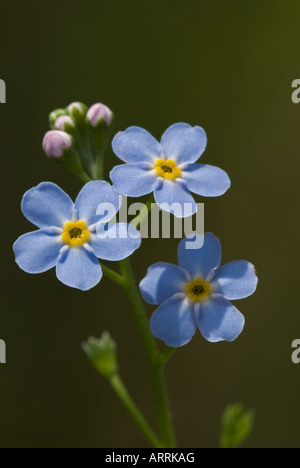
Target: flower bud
point(64, 123)
point(77, 111)
point(56, 142)
point(102, 354)
point(55, 115)
point(99, 113)
point(237, 425)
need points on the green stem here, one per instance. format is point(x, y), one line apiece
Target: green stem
point(84, 149)
point(155, 360)
point(84, 177)
point(153, 357)
point(129, 404)
point(136, 222)
point(112, 275)
point(98, 168)
point(166, 355)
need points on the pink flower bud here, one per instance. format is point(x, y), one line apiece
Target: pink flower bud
point(62, 121)
point(55, 142)
point(99, 112)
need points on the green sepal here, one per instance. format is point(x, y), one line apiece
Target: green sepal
point(78, 114)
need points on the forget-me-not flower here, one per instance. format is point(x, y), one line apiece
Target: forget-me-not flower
point(68, 236)
point(197, 293)
point(167, 168)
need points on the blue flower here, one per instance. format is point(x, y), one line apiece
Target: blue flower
point(68, 237)
point(197, 293)
point(167, 168)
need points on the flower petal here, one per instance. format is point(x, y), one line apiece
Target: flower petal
point(235, 280)
point(184, 143)
point(114, 242)
point(136, 145)
point(200, 262)
point(78, 268)
point(38, 251)
point(163, 280)
point(174, 321)
point(219, 320)
point(97, 197)
point(172, 196)
point(133, 180)
point(47, 205)
point(205, 180)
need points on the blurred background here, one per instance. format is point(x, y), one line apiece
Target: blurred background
point(227, 66)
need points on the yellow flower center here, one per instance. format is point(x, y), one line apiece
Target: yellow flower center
point(198, 290)
point(167, 169)
point(75, 234)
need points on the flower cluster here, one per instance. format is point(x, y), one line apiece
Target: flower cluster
point(72, 236)
point(75, 132)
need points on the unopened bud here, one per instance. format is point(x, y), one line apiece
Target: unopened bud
point(64, 123)
point(99, 113)
point(55, 143)
point(77, 111)
point(55, 115)
point(237, 425)
point(102, 354)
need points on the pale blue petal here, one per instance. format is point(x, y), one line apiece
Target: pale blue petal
point(115, 242)
point(200, 262)
point(47, 205)
point(38, 251)
point(219, 320)
point(97, 197)
point(133, 180)
point(184, 143)
point(78, 268)
point(174, 321)
point(136, 145)
point(172, 196)
point(236, 280)
point(205, 180)
point(163, 280)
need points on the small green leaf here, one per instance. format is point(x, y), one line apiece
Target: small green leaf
point(236, 426)
point(102, 354)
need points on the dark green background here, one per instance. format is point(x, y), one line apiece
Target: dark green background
point(227, 66)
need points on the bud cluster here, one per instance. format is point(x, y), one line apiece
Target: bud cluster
point(78, 137)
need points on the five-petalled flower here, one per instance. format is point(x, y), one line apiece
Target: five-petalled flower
point(68, 237)
point(167, 168)
point(197, 293)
